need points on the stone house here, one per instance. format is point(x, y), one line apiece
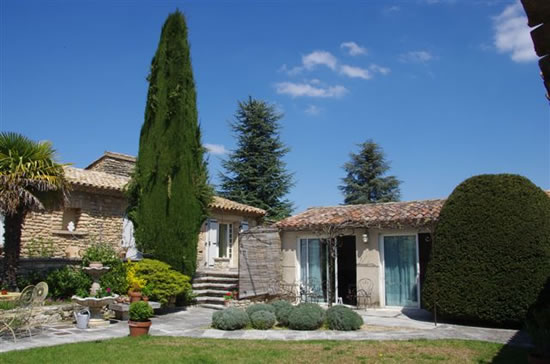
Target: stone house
point(382, 249)
point(95, 212)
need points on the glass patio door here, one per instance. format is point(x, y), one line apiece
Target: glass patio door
point(400, 269)
point(314, 266)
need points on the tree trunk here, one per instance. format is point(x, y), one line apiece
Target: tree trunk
point(12, 247)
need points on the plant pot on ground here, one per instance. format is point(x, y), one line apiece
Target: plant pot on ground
point(139, 315)
point(146, 292)
point(135, 296)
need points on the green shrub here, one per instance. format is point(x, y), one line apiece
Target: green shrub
point(65, 282)
point(31, 278)
point(115, 279)
point(282, 311)
point(259, 307)
point(165, 282)
point(343, 318)
point(491, 252)
point(100, 252)
point(538, 322)
point(263, 320)
point(230, 319)
point(140, 311)
point(306, 316)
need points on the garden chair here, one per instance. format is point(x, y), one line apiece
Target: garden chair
point(364, 293)
point(19, 319)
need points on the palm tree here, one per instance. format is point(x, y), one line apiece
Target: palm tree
point(30, 180)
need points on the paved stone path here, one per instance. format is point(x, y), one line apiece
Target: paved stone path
point(380, 325)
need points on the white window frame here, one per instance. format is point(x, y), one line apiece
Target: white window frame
point(299, 265)
point(382, 275)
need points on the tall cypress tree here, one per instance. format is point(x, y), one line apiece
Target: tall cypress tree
point(169, 192)
point(255, 172)
point(365, 181)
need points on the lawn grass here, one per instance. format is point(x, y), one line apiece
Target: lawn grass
point(156, 349)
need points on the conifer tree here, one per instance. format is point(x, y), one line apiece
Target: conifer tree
point(255, 172)
point(169, 192)
point(364, 182)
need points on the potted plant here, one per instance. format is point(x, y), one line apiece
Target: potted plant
point(227, 298)
point(146, 292)
point(136, 284)
point(139, 314)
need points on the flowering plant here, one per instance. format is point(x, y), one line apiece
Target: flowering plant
point(136, 284)
point(228, 296)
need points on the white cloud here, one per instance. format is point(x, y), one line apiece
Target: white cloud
point(290, 71)
point(391, 9)
point(416, 57)
point(319, 58)
point(304, 89)
point(312, 110)
point(216, 149)
point(355, 72)
point(512, 34)
point(379, 69)
point(353, 48)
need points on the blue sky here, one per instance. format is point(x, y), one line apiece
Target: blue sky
point(449, 89)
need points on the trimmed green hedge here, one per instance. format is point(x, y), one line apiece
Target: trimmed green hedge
point(262, 320)
point(230, 319)
point(259, 307)
point(343, 318)
point(282, 311)
point(491, 251)
point(306, 316)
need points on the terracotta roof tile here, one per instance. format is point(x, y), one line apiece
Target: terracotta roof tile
point(382, 215)
point(108, 181)
point(228, 205)
point(95, 179)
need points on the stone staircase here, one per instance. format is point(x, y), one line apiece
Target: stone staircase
point(211, 285)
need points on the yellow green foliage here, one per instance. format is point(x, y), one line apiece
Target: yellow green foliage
point(166, 284)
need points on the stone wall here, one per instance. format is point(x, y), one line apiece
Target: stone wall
point(48, 315)
point(114, 166)
point(40, 265)
point(99, 219)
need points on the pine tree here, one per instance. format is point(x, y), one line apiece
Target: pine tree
point(364, 182)
point(169, 192)
point(255, 172)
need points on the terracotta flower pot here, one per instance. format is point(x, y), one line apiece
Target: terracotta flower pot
point(135, 296)
point(138, 328)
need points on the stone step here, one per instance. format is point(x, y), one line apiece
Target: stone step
point(212, 306)
point(210, 300)
point(218, 286)
point(210, 292)
point(209, 279)
point(217, 273)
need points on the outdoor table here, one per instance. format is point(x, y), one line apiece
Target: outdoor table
point(121, 309)
point(11, 296)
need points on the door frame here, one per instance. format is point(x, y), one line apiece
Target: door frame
point(299, 264)
point(210, 257)
point(382, 275)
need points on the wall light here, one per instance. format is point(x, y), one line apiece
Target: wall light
point(365, 238)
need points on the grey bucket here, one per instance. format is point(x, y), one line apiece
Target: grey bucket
point(82, 318)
